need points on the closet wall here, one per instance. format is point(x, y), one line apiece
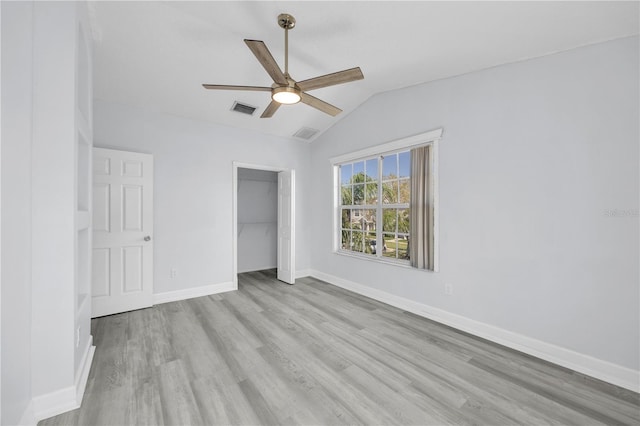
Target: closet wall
point(257, 219)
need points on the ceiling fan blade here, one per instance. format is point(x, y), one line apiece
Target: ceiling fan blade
point(270, 109)
point(332, 79)
point(229, 87)
point(266, 59)
point(319, 104)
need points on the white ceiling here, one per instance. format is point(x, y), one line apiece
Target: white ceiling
point(157, 54)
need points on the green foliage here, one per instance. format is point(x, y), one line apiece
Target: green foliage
point(357, 241)
point(389, 220)
point(346, 218)
point(359, 186)
point(403, 221)
point(345, 239)
point(390, 192)
point(347, 196)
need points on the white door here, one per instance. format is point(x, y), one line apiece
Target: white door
point(122, 273)
point(286, 219)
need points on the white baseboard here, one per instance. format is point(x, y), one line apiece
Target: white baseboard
point(85, 367)
point(303, 273)
point(54, 403)
point(603, 370)
point(190, 293)
point(69, 398)
point(28, 419)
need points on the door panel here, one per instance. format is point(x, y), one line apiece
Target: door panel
point(101, 206)
point(122, 218)
point(101, 165)
point(132, 169)
point(132, 207)
point(131, 268)
point(286, 240)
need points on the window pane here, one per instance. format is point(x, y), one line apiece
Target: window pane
point(402, 247)
point(405, 191)
point(389, 248)
point(370, 247)
point(345, 173)
point(403, 221)
point(346, 240)
point(346, 218)
point(358, 172)
point(347, 195)
point(396, 191)
point(389, 220)
point(356, 217)
point(358, 193)
point(369, 223)
point(372, 169)
point(357, 241)
point(371, 193)
point(404, 160)
point(390, 192)
point(390, 167)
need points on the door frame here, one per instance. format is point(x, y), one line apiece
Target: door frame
point(234, 212)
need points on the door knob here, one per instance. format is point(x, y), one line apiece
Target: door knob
point(147, 238)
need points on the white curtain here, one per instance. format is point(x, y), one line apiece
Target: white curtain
point(421, 234)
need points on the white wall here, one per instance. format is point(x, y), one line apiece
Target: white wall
point(39, 351)
point(257, 220)
point(17, 50)
point(193, 187)
point(53, 194)
point(534, 155)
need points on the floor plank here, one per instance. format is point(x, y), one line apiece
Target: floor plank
point(314, 354)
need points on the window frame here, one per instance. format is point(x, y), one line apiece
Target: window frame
point(376, 152)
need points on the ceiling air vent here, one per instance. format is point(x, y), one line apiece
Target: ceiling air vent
point(306, 133)
point(243, 108)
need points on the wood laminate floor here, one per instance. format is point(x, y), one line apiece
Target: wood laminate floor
point(314, 354)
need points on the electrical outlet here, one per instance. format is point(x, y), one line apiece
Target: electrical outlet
point(448, 289)
point(174, 272)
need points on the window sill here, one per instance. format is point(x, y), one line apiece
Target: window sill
point(400, 263)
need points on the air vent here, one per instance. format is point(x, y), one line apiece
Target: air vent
point(306, 133)
point(243, 108)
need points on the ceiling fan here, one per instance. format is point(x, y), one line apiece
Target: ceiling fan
point(285, 90)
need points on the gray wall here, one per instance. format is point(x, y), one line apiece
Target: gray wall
point(257, 220)
point(535, 156)
point(193, 187)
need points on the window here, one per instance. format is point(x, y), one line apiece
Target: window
point(376, 191)
point(374, 202)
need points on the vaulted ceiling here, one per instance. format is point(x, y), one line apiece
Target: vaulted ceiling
point(156, 54)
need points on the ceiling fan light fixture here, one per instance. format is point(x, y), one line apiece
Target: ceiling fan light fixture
point(286, 95)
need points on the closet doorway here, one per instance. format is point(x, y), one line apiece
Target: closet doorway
point(263, 220)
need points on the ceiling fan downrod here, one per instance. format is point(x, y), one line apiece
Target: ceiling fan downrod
point(287, 22)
